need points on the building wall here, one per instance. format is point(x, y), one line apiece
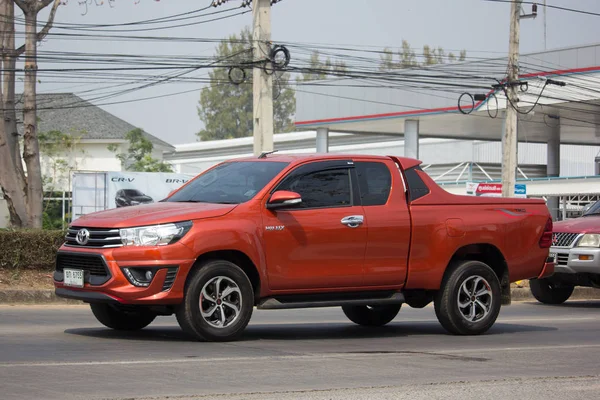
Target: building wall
point(574, 160)
point(86, 157)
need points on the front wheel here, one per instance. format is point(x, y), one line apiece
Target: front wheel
point(547, 292)
point(468, 302)
point(218, 302)
point(371, 315)
point(115, 317)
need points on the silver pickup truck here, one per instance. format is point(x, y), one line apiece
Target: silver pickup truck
point(576, 250)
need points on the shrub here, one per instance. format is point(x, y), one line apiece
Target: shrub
point(29, 248)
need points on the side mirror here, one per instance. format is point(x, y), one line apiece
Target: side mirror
point(283, 198)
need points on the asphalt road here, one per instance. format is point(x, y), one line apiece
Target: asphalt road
point(533, 352)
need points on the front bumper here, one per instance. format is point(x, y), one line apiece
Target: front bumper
point(105, 280)
point(577, 260)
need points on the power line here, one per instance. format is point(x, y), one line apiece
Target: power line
point(549, 6)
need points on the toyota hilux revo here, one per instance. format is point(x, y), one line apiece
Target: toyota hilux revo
point(367, 233)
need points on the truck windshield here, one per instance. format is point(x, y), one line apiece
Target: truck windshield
point(593, 210)
point(229, 183)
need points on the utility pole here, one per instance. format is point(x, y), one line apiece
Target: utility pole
point(262, 82)
point(509, 139)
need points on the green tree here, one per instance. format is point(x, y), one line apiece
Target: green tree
point(318, 69)
point(407, 58)
point(139, 154)
point(58, 153)
point(226, 108)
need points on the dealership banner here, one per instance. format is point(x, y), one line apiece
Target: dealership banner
point(493, 190)
point(97, 191)
point(125, 189)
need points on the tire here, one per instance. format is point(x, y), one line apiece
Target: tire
point(547, 292)
point(371, 315)
point(473, 317)
point(114, 317)
point(222, 323)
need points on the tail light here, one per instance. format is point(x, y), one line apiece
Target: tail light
point(546, 239)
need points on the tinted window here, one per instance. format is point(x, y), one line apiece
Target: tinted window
point(416, 187)
point(375, 182)
point(133, 192)
point(229, 183)
point(329, 188)
point(593, 210)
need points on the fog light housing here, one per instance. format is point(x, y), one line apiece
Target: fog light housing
point(140, 277)
point(585, 257)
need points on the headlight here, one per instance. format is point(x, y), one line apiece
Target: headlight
point(156, 235)
point(589, 240)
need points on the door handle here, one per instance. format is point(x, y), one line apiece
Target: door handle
point(353, 221)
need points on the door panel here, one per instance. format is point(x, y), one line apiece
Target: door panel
point(308, 246)
point(314, 249)
point(388, 238)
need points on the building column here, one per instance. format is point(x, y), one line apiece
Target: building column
point(411, 138)
point(553, 164)
point(322, 140)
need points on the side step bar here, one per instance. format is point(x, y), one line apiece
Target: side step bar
point(312, 301)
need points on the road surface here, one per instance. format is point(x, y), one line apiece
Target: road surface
point(533, 352)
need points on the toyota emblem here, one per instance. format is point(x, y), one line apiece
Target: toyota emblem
point(83, 235)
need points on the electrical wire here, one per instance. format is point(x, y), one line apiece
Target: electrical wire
point(547, 5)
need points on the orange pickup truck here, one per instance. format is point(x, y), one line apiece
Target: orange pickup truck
point(366, 233)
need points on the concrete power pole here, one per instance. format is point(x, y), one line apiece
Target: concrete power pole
point(509, 140)
point(262, 82)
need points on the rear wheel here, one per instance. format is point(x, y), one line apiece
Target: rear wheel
point(371, 315)
point(218, 302)
point(468, 302)
point(122, 319)
point(548, 292)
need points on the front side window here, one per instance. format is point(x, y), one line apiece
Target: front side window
point(330, 188)
point(229, 183)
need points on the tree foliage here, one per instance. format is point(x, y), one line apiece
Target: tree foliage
point(319, 70)
point(59, 152)
point(226, 108)
point(406, 57)
point(139, 154)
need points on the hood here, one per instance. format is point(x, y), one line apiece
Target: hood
point(589, 224)
point(156, 213)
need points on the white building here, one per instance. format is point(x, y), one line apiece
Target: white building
point(93, 131)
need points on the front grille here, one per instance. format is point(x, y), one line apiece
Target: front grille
point(562, 259)
point(98, 237)
point(95, 269)
point(169, 278)
point(92, 263)
point(560, 239)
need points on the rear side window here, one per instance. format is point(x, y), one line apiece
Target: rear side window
point(329, 188)
point(375, 182)
point(416, 187)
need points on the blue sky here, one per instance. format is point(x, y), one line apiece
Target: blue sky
point(478, 26)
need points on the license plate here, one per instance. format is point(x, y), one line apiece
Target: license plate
point(73, 277)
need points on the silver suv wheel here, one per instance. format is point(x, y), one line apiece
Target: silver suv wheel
point(474, 298)
point(220, 302)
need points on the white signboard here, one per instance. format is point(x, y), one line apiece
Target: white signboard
point(99, 191)
point(125, 189)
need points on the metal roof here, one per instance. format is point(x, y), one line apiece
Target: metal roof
point(73, 115)
point(349, 106)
